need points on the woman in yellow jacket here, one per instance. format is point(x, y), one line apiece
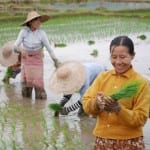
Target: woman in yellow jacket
point(119, 123)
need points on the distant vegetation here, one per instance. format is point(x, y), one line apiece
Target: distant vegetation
point(67, 1)
point(17, 9)
point(14, 16)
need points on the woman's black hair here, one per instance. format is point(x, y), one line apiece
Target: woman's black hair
point(28, 23)
point(124, 41)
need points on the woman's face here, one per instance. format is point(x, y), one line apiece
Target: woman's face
point(35, 24)
point(120, 58)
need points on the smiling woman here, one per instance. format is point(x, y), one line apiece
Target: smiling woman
point(114, 128)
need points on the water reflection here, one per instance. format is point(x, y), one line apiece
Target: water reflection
point(29, 124)
point(20, 120)
point(71, 132)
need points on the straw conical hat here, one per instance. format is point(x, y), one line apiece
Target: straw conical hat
point(7, 56)
point(32, 15)
point(68, 77)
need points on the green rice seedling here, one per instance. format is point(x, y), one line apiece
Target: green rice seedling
point(94, 53)
point(11, 126)
point(127, 91)
point(60, 45)
point(90, 42)
point(54, 134)
point(142, 37)
point(55, 106)
point(62, 138)
point(3, 144)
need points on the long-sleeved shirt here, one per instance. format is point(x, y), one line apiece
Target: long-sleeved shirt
point(33, 41)
point(92, 70)
point(134, 111)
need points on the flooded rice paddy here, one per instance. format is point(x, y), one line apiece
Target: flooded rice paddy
point(28, 124)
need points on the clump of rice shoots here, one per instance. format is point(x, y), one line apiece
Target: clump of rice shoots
point(55, 106)
point(127, 91)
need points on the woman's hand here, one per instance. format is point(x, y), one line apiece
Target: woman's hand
point(111, 105)
point(23, 54)
point(100, 101)
point(106, 103)
point(56, 63)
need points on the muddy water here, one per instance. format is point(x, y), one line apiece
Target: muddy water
point(28, 115)
point(81, 126)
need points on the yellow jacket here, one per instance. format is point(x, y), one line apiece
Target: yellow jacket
point(134, 112)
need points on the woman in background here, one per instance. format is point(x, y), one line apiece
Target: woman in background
point(33, 39)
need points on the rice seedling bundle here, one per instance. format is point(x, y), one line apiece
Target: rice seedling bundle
point(127, 91)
